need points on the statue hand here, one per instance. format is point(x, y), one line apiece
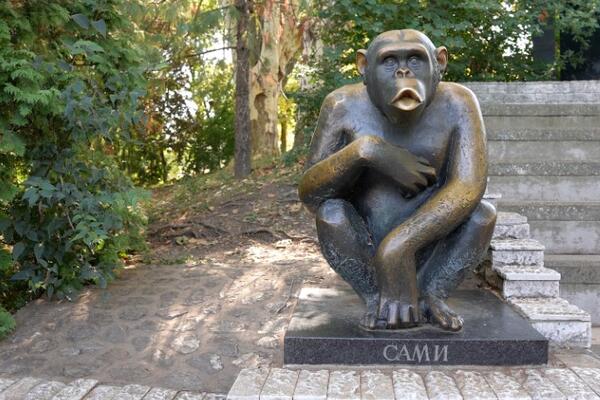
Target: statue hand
point(411, 172)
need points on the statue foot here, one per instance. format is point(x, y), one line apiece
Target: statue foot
point(397, 314)
point(436, 311)
point(369, 319)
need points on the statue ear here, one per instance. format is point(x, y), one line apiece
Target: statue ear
point(441, 54)
point(361, 61)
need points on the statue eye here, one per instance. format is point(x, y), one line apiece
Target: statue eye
point(413, 61)
point(389, 61)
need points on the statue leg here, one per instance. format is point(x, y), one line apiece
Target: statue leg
point(451, 258)
point(346, 245)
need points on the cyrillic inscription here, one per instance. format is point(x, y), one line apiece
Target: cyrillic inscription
point(419, 353)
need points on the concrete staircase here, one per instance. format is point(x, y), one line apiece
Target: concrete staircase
point(544, 149)
point(515, 268)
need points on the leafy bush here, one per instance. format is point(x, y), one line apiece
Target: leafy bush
point(71, 77)
point(7, 323)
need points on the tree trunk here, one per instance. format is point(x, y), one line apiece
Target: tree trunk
point(280, 45)
point(242, 166)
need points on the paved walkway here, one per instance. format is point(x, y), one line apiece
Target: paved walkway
point(89, 389)
point(419, 384)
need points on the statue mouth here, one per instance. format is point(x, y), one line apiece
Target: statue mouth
point(407, 100)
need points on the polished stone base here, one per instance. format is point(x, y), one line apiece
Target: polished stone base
point(324, 330)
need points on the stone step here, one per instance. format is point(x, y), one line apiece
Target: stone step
point(530, 109)
point(524, 281)
point(554, 210)
point(419, 384)
point(580, 282)
point(567, 237)
point(538, 98)
point(561, 322)
point(526, 252)
point(543, 168)
point(533, 134)
point(516, 122)
point(546, 188)
point(510, 225)
point(550, 88)
point(554, 153)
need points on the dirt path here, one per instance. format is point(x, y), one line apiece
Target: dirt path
point(216, 299)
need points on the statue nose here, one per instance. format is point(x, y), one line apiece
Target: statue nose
point(402, 72)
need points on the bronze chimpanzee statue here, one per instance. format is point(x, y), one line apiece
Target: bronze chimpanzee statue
point(396, 175)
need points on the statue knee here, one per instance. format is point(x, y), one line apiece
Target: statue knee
point(485, 214)
point(332, 212)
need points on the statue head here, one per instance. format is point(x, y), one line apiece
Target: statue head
point(401, 69)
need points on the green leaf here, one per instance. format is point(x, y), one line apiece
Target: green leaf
point(18, 250)
point(11, 143)
point(100, 26)
point(81, 20)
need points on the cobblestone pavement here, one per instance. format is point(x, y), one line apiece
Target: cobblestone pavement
point(187, 326)
point(88, 389)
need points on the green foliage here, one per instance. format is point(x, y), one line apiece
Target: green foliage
point(7, 323)
point(71, 77)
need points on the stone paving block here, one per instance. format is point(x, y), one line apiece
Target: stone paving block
point(526, 273)
point(280, 384)
point(537, 385)
point(408, 385)
point(189, 396)
point(343, 385)
point(506, 387)
point(571, 385)
point(441, 386)
point(4, 383)
point(76, 390)
point(160, 394)
point(516, 252)
point(473, 386)
point(103, 392)
point(45, 390)
point(312, 385)
point(132, 392)
point(549, 309)
point(375, 385)
point(248, 384)
point(591, 376)
point(215, 396)
point(19, 389)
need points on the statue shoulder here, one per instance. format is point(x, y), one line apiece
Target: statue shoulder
point(458, 95)
point(346, 97)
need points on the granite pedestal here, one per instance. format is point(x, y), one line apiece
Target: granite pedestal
point(324, 330)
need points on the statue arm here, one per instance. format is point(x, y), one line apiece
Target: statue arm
point(464, 187)
point(332, 165)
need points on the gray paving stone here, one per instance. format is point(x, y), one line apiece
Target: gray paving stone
point(530, 288)
point(312, 385)
point(4, 383)
point(132, 392)
point(572, 386)
point(441, 386)
point(520, 231)
point(343, 385)
point(189, 396)
point(591, 376)
point(103, 392)
point(45, 390)
point(19, 389)
point(248, 384)
point(375, 385)
point(537, 385)
point(280, 384)
point(473, 386)
point(408, 385)
point(506, 387)
point(76, 390)
point(160, 394)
